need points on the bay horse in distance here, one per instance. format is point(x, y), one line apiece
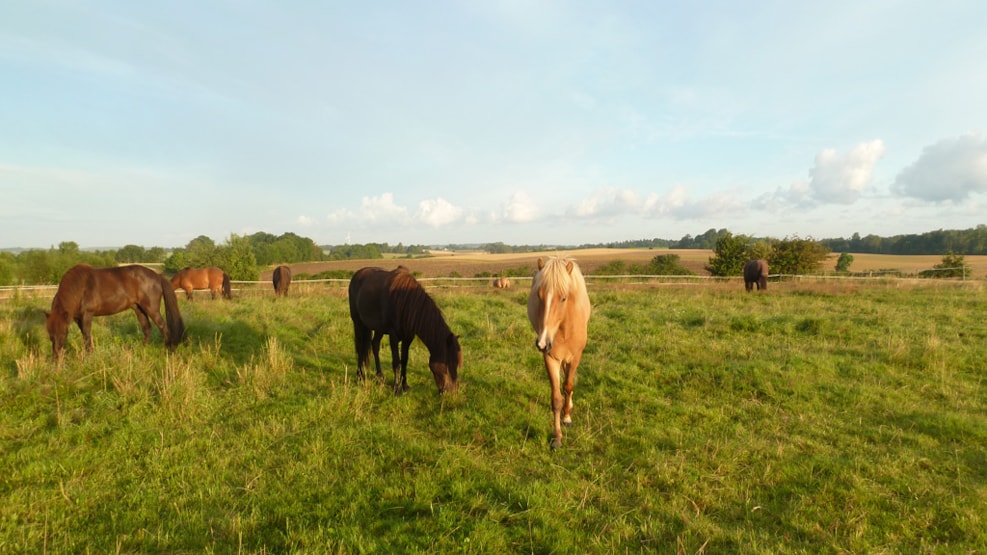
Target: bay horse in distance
point(282, 279)
point(393, 303)
point(559, 311)
point(756, 273)
point(214, 279)
point(85, 292)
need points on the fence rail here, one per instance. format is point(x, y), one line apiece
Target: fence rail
point(16, 291)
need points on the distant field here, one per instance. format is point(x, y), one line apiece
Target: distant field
point(469, 264)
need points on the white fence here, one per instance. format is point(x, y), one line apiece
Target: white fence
point(259, 287)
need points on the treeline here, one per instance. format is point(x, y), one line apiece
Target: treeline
point(942, 241)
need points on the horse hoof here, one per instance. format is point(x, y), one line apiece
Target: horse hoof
point(556, 443)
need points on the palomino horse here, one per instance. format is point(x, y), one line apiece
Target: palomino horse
point(282, 279)
point(85, 292)
point(756, 272)
point(559, 310)
point(212, 278)
point(393, 303)
point(502, 283)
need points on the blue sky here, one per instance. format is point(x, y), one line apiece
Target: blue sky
point(524, 122)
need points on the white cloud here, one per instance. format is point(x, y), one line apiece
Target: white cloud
point(796, 193)
point(679, 205)
point(372, 209)
point(951, 169)
point(607, 203)
point(438, 212)
point(520, 208)
point(305, 221)
point(841, 179)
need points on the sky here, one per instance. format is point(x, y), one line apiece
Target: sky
point(518, 121)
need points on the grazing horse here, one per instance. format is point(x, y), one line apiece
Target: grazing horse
point(212, 278)
point(501, 283)
point(756, 272)
point(85, 292)
point(559, 310)
point(282, 279)
point(394, 303)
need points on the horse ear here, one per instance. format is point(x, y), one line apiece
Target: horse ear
point(569, 265)
point(541, 263)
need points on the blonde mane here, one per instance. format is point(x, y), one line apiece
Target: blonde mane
point(555, 276)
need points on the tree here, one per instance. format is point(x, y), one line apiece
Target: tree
point(130, 253)
point(797, 256)
point(843, 263)
point(237, 259)
point(952, 265)
point(730, 255)
point(668, 265)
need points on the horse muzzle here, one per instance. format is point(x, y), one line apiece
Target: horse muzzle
point(544, 348)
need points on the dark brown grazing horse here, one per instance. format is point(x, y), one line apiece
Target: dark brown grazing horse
point(756, 272)
point(85, 292)
point(394, 303)
point(212, 278)
point(282, 279)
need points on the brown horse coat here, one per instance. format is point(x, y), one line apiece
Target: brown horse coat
point(502, 283)
point(85, 292)
point(559, 311)
point(281, 279)
point(214, 279)
point(756, 273)
point(394, 303)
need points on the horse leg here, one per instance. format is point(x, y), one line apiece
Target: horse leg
point(552, 366)
point(375, 346)
point(145, 324)
point(155, 316)
point(85, 322)
point(405, 348)
point(396, 363)
point(568, 387)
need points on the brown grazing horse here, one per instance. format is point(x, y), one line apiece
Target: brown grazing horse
point(282, 279)
point(502, 283)
point(559, 310)
point(85, 292)
point(212, 278)
point(756, 272)
point(394, 303)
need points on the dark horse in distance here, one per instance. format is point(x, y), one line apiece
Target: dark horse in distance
point(282, 279)
point(214, 279)
point(393, 303)
point(756, 272)
point(85, 292)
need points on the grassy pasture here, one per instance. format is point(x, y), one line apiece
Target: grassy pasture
point(814, 418)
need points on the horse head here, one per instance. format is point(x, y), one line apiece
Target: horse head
point(445, 365)
point(57, 324)
point(547, 303)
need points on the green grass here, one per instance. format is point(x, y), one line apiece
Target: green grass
point(804, 420)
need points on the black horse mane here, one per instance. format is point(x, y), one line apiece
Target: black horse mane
point(418, 312)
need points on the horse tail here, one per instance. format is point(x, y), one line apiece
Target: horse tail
point(176, 327)
point(226, 286)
